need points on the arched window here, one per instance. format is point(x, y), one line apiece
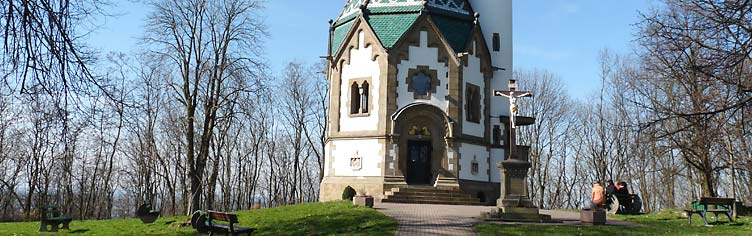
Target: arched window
point(364, 97)
point(354, 98)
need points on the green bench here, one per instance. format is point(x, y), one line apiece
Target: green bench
point(713, 205)
point(51, 220)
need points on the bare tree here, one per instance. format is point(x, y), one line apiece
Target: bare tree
point(209, 43)
point(550, 107)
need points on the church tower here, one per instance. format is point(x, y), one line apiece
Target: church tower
point(411, 105)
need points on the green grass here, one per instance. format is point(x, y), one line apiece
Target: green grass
point(334, 218)
point(664, 224)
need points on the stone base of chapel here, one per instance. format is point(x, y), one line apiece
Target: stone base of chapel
point(332, 187)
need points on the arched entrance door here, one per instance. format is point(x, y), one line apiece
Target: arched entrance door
point(422, 130)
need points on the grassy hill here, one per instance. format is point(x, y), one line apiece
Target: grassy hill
point(335, 218)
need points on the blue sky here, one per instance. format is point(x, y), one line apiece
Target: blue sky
point(561, 36)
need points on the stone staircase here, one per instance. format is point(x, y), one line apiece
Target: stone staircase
point(429, 195)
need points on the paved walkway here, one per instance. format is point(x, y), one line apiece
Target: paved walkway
point(445, 220)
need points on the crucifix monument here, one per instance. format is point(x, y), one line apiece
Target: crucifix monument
point(514, 203)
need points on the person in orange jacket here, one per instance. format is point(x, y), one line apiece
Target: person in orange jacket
point(598, 196)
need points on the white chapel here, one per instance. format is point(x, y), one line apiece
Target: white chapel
point(411, 104)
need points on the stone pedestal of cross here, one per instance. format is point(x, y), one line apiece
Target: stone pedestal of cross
point(514, 203)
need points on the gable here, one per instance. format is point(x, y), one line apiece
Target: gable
point(351, 40)
point(481, 51)
point(391, 19)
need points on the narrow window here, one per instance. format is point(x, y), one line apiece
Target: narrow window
point(364, 96)
point(497, 135)
point(474, 166)
point(472, 103)
point(354, 98)
point(496, 42)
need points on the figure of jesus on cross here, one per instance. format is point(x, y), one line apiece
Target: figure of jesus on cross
point(513, 94)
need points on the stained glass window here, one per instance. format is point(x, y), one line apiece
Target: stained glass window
point(421, 84)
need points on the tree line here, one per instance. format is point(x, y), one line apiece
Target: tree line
point(196, 119)
point(671, 118)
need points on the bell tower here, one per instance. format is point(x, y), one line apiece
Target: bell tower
point(496, 22)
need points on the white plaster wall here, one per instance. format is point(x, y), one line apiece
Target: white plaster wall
point(472, 74)
point(480, 153)
point(361, 66)
point(496, 17)
point(369, 150)
point(327, 157)
point(497, 155)
point(422, 56)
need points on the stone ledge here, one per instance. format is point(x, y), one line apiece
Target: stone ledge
point(589, 217)
point(517, 214)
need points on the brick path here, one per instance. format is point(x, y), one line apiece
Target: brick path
point(418, 220)
point(445, 220)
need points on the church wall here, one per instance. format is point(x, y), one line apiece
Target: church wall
point(497, 155)
point(339, 172)
point(472, 74)
point(370, 152)
point(332, 188)
point(496, 17)
point(470, 153)
point(423, 55)
point(361, 67)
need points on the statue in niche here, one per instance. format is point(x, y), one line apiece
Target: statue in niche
point(424, 131)
point(413, 130)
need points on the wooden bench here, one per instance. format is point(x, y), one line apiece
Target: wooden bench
point(229, 228)
point(721, 206)
point(51, 220)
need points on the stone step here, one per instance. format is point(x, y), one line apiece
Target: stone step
point(432, 198)
point(432, 194)
point(429, 195)
point(425, 190)
point(434, 202)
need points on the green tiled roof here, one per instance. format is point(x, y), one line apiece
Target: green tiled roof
point(390, 20)
point(456, 32)
point(390, 28)
point(339, 35)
